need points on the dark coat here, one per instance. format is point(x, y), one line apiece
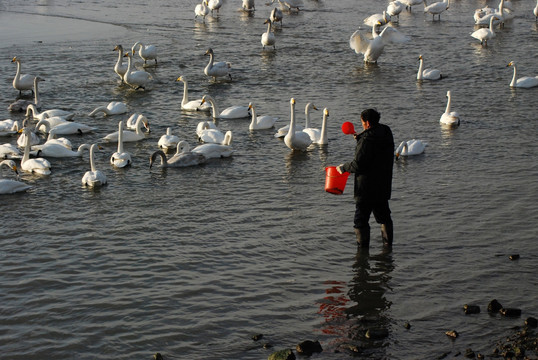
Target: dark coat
point(372, 165)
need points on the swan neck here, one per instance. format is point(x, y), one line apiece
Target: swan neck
point(307, 117)
point(513, 82)
point(36, 91)
point(268, 27)
point(291, 130)
point(45, 123)
point(185, 93)
point(120, 137)
point(254, 117)
point(26, 154)
point(323, 137)
point(448, 105)
point(92, 150)
point(420, 66)
point(214, 107)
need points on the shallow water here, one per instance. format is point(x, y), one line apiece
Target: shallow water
point(192, 262)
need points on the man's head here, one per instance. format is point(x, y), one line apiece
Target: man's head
point(370, 118)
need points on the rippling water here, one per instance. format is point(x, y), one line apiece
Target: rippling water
point(192, 262)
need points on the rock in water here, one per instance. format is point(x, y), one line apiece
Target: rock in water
point(309, 347)
point(494, 306)
point(471, 309)
point(511, 312)
point(286, 354)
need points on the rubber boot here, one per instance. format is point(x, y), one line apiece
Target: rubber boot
point(363, 237)
point(386, 234)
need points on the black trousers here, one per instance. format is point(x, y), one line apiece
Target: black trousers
point(363, 209)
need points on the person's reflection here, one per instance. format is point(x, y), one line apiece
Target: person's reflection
point(369, 330)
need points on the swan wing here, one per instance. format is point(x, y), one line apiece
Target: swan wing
point(8, 186)
point(391, 35)
point(235, 112)
point(359, 42)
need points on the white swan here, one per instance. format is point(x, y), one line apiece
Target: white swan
point(232, 112)
point(130, 124)
point(276, 16)
point(60, 151)
point(214, 5)
point(66, 128)
point(32, 110)
point(183, 157)
point(120, 158)
point(201, 10)
point(9, 186)
point(485, 34)
point(31, 135)
point(248, 5)
point(484, 15)
point(212, 151)
point(51, 139)
point(37, 165)
point(112, 108)
point(394, 8)
point(137, 79)
point(410, 3)
point(372, 49)
point(146, 52)
point(22, 82)
point(377, 18)
point(217, 69)
point(192, 105)
point(9, 151)
point(168, 141)
point(260, 122)
point(450, 118)
point(268, 37)
point(427, 74)
point(296, 140)
point(212, 136)
point(52, 121)
point(22, 104)
point(120, 68)
point(283, 131)
point(410, 147)
point(436, 8)
point(8, 127)
point(130, 136)
point(203, 125)
point(94, 177)
point(316, 135)
point(522, 82)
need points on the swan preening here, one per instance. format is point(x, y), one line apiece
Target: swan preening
point(120, 68)
point(522, 82)
point(436, 8)
point(22, 104)
point(192, 105)
point(217, 69)
point(9, 186)
point(296, 140)
point(37, 165)
point(22, 82)
point(112, 108)
point(372, 49)
point(410, 147)
point(485, 34)
point(449, 118)
point(32, 110)
point(94, 177)
point(201, 10)
point(120, 158)
point(182, 158)
point(137, 79)
point(168, 141)
point(146, 52)
point(319, 136)
point(260, 122)
point(427, 74)
point(268, 37)
point(232, 112)
point(212, 151)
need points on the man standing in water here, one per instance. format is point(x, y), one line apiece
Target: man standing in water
point(372, 166)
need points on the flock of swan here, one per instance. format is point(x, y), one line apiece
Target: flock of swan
point(216, 143)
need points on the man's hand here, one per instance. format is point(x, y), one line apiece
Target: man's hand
point(340, 168)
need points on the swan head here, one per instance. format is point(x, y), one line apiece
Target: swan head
point(181, 78)
point(250, 106)
point(127, 54)
point(420, 57)
point(268, 21)
point(511, 63)
point(326, 112)
point(14, 59)
point(448, 94)
point(209, 52)
point(292, 101)
point(118, 47)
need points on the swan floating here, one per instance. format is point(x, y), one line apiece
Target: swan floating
point(523, 82)
point(66, 128)
point(8, 127)
point(212, 136)
point(372, 49)
point(9, 186)
point(268, 37)
point(213, 151)
point(130, 136)
point(182, 158)
point(201, 10)
point(214, 5)
point(296, 140)
point(203, 125)
point(112, 108)
point(436, 8)
point(146, 52)
point(450, 118)
point(168, 141)
point(137, 79)
point(37, 165)
point(9, 151)
point(51, 139)
point(31, 135)
point(427, 74)
point(276, 16)
point(32, 110)
point(192, 105)
point(316, 135)
point(120, 68)
point(394, 8)
point(232, 112)
point(217, 69)
point(485, 34)
point(22, 104)
point(22, 82)
point(52, 121)
point(410, 147)
point(131, 121)
point(60, 151)
point(260, 122)
point(94, 177)
point(283, 131)
point(120, 158)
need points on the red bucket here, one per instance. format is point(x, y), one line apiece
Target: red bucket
point(334, 181)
